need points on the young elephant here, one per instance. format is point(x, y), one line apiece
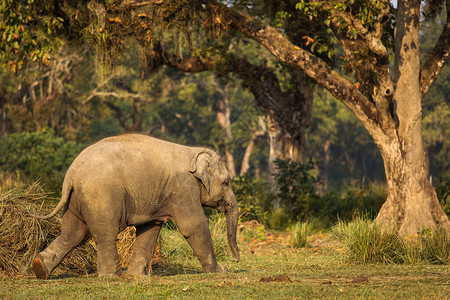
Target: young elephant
point(136, 180)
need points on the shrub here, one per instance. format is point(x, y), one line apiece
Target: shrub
point(435, 246)
point(278, 218)
point(443, 194)
point(349, 201)
point(35, 155)
point(366, 242)
point(253, 196)
point(296, 183)
point(300, 233)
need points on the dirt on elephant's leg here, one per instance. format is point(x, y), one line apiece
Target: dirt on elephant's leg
point(73, 233)
point(143, 249)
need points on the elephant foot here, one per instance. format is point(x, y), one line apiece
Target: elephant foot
point(222, 269)
point(135, 273)
point(117, 273)
point(217, 269)
point(39, 268)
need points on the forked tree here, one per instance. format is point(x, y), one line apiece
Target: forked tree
point(389, 107)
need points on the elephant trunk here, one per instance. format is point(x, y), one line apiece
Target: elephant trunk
point(232, 216)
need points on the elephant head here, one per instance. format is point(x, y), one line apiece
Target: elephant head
point(217, 192)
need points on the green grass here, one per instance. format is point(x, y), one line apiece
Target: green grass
point(300, 233)
point(314, 273)
point(322, 269)
point(365, 242)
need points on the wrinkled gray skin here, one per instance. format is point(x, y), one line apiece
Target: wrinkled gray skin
point(136, 180)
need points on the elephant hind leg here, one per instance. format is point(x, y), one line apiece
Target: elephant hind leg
point(73, 232)
point(144, 247)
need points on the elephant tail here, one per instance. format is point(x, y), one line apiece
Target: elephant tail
point(66, 192)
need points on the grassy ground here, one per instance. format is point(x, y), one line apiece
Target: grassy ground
point(269, 269)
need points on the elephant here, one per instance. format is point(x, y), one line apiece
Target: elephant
point(137, 180)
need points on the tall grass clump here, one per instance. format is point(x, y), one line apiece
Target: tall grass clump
point(366, 242)
point(300, 233)
point(435, 246)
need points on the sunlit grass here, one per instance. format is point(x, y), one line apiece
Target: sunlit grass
point(366, 242)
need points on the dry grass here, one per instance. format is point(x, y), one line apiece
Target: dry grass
point(22, 237)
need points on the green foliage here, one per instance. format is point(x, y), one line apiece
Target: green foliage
point(37, 155)
point(435, 246)
point(27, 28)
point(344, 150)
point(254, 235)
point(350, 200)
point(366, 242)
point(278, 218)
point(366, 12)
point(443, 194)
point(300, 232)
point(436, 130)
point(296, 184)
point(252, 197)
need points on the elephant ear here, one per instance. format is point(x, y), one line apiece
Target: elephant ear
point(199, 168)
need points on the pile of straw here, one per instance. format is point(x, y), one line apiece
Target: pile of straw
point(22, 237)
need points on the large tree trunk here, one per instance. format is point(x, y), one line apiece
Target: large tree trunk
point(412, 202)
point(223, 113)
point(288, 115)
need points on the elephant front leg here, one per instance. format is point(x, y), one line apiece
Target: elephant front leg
point(194, 227)
point(144, 247)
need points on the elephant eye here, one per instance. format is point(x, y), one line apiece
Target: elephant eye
point(226, 182)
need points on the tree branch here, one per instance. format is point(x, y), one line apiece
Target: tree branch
point(315, 68)
point(437, 58)
point(372, 39)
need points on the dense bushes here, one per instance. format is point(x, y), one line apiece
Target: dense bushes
point(297, 193)
point(296, 187)
point(253, 196)
point(37, 155)
point(443, 194)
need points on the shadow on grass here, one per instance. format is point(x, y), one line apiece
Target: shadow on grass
point(159, 269)
point(171, 269)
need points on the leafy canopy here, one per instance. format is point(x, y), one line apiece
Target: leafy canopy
point(27, 29)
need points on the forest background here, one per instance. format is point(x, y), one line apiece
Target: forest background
point(49, 112)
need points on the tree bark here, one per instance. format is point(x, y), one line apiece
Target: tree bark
point(223, 113)
point(412, 202)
